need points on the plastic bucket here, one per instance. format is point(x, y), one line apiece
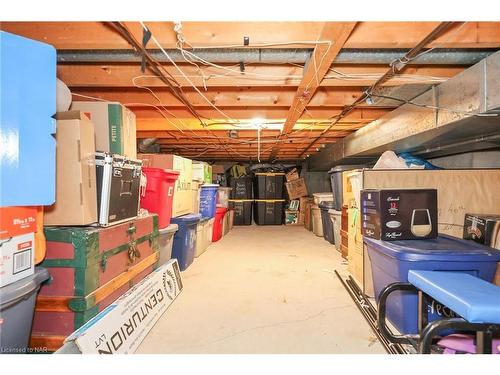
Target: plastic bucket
point(218, 223)
point(17, 305)
point(165, 243)
point(326, 222)
point(184, 246)
point(336, 219)
point(159, 193)
point(316, 221)
point(208, 196)
point(223, 196)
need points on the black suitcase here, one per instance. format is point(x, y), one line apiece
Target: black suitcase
point(118, 185)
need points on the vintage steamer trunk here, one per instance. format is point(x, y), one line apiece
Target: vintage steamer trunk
point(90, 268)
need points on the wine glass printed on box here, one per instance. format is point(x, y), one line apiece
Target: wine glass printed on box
point(421, 224)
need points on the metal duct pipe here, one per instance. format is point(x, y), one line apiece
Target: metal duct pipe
point(461, 115)
point(278, 55)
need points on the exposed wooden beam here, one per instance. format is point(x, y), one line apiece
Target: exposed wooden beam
point(247, 113)
point(227, 96)
point(321, 60)
point(95, 35)
point(123, 75)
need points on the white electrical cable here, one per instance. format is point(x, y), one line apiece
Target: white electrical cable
point(153, 38)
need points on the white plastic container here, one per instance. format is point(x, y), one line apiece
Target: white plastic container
point(322, 197)
point(317, 222)
point(202, 240)
point(165, 243)
point(223, 196)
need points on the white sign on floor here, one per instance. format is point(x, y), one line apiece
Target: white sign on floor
point(122, 326)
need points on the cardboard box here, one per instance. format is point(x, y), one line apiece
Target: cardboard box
point(218, 169)
point(76, 196)
point(296, 188)
point(399, 214)
point(122, 326)
point(115, 126)
point(459, 191)
point(484, 229)
point(292, 175)
point(183, 195)
point(292, 217)
point(17, 258)
point(17, 220)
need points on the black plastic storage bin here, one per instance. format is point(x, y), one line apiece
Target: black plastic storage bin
point(269, 212)
point(241, 187)
point(326, 222)
point(336, 182)
point(242, 211)
point(269, 185)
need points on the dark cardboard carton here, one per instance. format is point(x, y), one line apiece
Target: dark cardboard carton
point(399, 214)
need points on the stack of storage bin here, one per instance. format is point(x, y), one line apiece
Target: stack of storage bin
point(269, 206)
point(241, 200)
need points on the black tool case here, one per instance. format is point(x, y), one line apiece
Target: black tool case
point(118, 185)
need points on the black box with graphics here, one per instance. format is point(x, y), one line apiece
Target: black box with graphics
point(399, 214)
point(483, 228)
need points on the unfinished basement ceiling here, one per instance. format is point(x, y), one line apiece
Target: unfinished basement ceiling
point(290, 79)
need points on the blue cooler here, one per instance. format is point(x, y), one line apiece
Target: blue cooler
point(184, 245)
point(391, 261)
point(208, 200)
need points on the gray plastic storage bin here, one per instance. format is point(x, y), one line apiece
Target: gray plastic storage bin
point(336, 181)
point(17, 305)
point(165, 243)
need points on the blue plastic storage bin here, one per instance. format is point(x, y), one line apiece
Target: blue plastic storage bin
point(392, 260)
point(28, 102)
point(208, 200)
point(184, 246)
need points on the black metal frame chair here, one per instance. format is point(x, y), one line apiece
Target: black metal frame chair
point(428, 331)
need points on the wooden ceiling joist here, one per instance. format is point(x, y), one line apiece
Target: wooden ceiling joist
point(319, 64)
point(125, 75)
point(96, 35)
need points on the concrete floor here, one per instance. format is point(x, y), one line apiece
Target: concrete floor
point(263, 290)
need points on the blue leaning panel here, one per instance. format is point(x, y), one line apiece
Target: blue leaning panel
point(27, 104)
point(476, 300)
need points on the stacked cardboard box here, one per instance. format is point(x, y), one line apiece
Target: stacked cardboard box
point(296, 189)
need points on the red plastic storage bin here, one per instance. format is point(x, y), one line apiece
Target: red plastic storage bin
point(159, 193)
point(219, 218)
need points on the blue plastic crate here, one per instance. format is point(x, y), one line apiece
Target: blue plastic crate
point(27, 128)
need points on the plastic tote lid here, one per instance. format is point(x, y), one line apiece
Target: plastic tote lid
point(170, 229)
point(343, 168)
point(442, 248)
point(18, 290)
point(326, 205)
point(186, 218)
point(212, 186)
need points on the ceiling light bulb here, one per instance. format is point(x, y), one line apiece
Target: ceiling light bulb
point(369, 100)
